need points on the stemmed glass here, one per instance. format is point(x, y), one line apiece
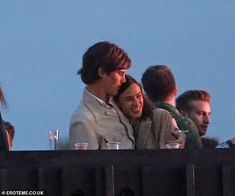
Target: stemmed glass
point(54, 139)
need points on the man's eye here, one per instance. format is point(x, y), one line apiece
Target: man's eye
point(200, 113)
point(121, 73)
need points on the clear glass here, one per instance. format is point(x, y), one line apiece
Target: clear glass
point(80, 146)
point(172, 145)
point(113, 145)
point(54, 139)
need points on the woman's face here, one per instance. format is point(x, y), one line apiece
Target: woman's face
point(131, 102)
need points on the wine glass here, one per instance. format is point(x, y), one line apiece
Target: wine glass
point(54, 139)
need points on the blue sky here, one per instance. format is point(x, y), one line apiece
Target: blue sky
point(42, 42)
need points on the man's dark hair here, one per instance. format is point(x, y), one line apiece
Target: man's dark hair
point(147, 109)
point(105, 55)
point(159, 83)
point(183, 102)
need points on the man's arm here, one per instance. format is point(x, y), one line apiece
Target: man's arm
point(81, 132)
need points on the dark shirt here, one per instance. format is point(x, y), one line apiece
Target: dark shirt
point(3, 139)
point(228, 144)
point(185, 124)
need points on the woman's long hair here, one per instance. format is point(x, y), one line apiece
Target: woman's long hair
point(147, 110)
point(3, 101)
point(3, 138)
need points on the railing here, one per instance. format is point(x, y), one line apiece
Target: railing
point(120, 172)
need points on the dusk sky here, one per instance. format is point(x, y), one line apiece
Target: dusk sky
point(42, 43)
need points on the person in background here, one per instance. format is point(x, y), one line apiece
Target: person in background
point(195, 104)
point(10, 132)
point(160, 86)
point(153, 129)
point(3, 138)
point(97, 120)
point(227, 144)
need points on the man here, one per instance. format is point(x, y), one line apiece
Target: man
point(227, 144)
point(97, 120)
point(3, 138)
point(10, 132)
point(195, 104)
point(160, 87)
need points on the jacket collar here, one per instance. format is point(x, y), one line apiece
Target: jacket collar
point(168, 107)
point(99, 107)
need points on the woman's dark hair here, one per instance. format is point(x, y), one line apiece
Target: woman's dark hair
point(3, 138)
point(105, 55)
point(3, 101)
point(10, 129)
point(147, 110)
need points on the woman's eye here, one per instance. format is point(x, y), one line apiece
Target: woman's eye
point(128, 98)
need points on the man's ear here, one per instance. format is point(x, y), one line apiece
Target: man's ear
point(176, 91)
point(102, 73)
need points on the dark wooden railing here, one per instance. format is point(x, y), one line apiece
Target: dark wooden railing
point(120, 173)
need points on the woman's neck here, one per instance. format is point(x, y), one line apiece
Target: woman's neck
point(135, 121)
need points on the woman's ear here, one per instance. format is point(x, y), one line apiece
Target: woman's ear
point(102, 73)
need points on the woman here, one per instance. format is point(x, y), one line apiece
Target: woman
point(3, 137)
point(154, 129)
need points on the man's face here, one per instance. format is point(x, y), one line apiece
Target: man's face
point(114, 80)
point(200, 114)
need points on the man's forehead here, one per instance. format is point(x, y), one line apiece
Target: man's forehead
point(200, 104)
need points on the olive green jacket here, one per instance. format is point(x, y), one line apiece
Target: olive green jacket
point(185, 124)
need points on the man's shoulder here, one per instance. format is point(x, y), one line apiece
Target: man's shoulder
point(170, 108)
point(82, 113)
point(161, 112)
point(183, 122)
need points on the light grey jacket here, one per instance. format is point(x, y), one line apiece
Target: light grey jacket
point(155, 133)
point(97, 124)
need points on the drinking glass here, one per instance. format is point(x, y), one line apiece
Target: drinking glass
point(113, 145)
point(172, 145)
point(54, 139)
point(80, 146)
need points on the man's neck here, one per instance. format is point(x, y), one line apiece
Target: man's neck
point(98, 91)
point(170, 101)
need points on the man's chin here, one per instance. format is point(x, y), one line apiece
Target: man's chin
point(113, 93)
point(203, 132)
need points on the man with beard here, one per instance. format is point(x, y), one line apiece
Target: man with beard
point(195, 104)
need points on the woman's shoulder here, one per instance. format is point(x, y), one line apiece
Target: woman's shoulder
point(162, 112)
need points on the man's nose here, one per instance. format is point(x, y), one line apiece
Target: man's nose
point(123, 78)
point(207, 119)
